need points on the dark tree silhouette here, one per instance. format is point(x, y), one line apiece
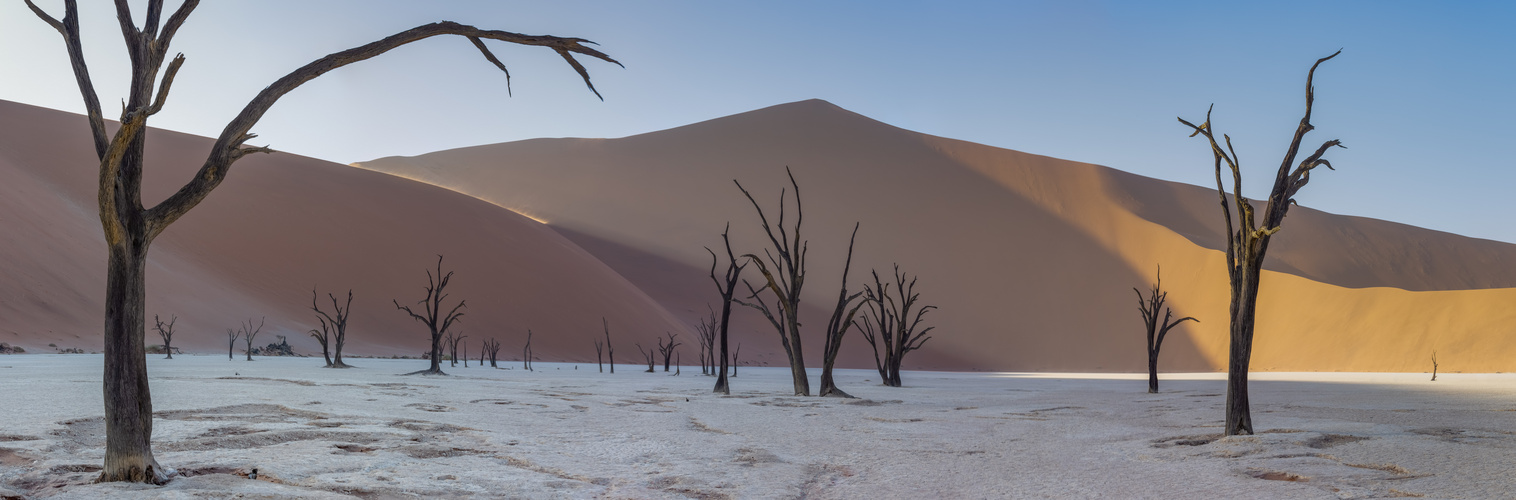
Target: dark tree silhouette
point(248, 332)
point(333, 328)
point(451, 340)
point(610, 350)
point(837, 326)
point(735, 352)
point(649, 354)
point(231, 342)
point(1434, 366)
point(893, 325)
point(600, 355)
point(491, 347)
point(1157, 329)
point(130, 228)
point(526, 352)
point(435, 319)
point(788, 259)
point(668, 350)
point(705, 333)
point(726, 286)
point(1249, 240)
point(166, 331)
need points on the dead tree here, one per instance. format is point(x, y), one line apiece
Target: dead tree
point(837, 326)
point(600, 350)
point(610, 351)
point(492, 347)
point(231, 342)
point(1157, 330)
point(130, 228)
point(667, 350)
point(166, 331)
point(894, 327)
point(435, 319)
point(465, 354)
point(734, 359)
point(451, 341)
point(1249, 240)
point(333, 328)
point(648, 353)
point(705, 333)
point(726, 286)
point(788, 259)
point(1434, 366)
point(248, 332)
point(526, 352)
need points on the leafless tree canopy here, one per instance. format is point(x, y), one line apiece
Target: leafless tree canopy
point(1157, 328)
point(166, 332)
point(1249, 240)
point(434, 319)
point(650, 354)
point(785, 279)
point(248, 332)
point(890, 325)
point(667, 349)
point(705, 333)
point(333, 328)
point(492, 348)
point(451, 340)
point(231, 342)
point(130, 227)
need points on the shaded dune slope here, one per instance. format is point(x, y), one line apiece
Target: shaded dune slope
point(1031, 258)
point(278, 226)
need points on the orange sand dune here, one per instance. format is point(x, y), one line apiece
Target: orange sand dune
point(278, 226)
point(1032, 259)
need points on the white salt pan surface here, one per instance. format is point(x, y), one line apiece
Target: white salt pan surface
point(559, 432)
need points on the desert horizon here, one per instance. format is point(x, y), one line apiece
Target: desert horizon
point(782, 250)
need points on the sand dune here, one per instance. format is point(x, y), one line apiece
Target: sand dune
point(280, 225)
point(1031, 258)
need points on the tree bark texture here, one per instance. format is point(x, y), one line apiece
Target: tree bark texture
point(1249, 241)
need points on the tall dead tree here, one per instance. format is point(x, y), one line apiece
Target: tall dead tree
point(248, 332)
point(610, 350)
point(734, 359)
point(526, 352)
point(166, 331)
point(333, 328)
point(788, 259)
point(231, 342)
point(726, 286)
point(434, 319)
point(451, 340)
point(705, 333)
point(492, 347)
point(895, 318)
point(1157, 329)
point(130, 227)
point(649, 354)
point(667, 350)
point(1249, 240)
point(600, 355)
point(837, 326)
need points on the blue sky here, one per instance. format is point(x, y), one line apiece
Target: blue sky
point(1422, 94)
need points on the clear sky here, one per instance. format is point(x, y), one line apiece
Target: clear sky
point(1422, 94)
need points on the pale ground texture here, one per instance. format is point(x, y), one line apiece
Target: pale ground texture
point(559, 432)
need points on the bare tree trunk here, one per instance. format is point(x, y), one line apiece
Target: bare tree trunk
point(231, 342)
point(249, 332)
point(610, 350)
point(727, 287)
point(667, 350)
point(526, 352)
point(837, 327)
point(166, 332)
point(648, 353)
point(1248, 242)
point(434, 319)
point(1434, 366)
point(734, 359)
point(128, 402)
point(893, 323)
